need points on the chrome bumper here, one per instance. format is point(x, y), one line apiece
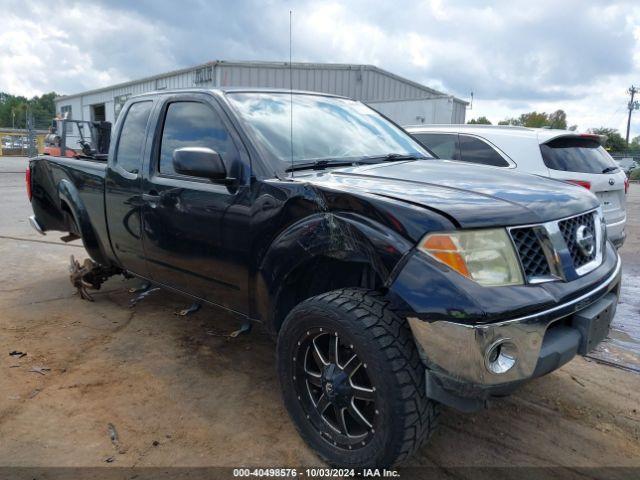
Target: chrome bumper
point(460, 351)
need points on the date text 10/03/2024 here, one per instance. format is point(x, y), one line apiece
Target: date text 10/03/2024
point(315, 472)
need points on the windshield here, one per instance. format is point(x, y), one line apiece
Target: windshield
point(324, 128)
point(574, 154)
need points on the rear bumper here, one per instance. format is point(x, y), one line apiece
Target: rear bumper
point(616, 231)
point(33, 221)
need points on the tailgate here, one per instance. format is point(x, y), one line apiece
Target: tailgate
point(613, 204)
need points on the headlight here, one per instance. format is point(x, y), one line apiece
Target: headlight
point(486, 256)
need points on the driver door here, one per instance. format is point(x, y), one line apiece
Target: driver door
point(185, 218)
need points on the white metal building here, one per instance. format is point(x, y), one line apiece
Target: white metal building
point(403, 100)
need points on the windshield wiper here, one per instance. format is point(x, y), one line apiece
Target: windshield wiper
point(609, 169)
point(394, 157)
point(320, 165)
point(323, 164)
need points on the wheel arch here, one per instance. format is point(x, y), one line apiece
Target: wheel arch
point(320, 253)
point(72, 204)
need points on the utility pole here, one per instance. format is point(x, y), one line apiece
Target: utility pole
point(31, 137)
point(632, 106)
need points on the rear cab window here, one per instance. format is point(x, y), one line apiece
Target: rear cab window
point(576, 154)
point(132, 137)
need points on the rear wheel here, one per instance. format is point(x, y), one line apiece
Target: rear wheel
point(352, 380)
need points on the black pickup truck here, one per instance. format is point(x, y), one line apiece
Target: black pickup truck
point(394, 282)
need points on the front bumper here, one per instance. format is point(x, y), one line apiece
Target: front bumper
point(456, 323)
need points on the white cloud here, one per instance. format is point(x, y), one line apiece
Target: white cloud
point(67, 53)
point(516, 56)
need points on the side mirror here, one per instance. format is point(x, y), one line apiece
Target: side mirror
point(199, 162)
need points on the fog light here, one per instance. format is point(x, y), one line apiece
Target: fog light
point(501, 356)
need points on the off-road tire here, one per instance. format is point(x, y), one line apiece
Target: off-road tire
point(385, 343)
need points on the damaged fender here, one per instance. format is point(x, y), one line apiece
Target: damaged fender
point(344, 236)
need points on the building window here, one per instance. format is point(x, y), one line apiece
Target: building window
point(203, 75)
point(118, 103)
point(65, 112)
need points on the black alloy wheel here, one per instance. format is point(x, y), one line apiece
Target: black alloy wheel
point(352, 380)
point(333, 386)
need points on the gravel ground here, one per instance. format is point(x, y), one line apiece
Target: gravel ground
point(178, 393)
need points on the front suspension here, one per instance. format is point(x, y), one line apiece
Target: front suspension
point(89, 276)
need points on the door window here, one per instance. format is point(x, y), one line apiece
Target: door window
point(475, 150)
point(444, 145)
point(194, 124)
point(132, 135)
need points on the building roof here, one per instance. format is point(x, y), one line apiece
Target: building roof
point(275, 65)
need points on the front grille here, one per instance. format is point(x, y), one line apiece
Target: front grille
point(568, 229)
point(546, 249)
point(534, 262)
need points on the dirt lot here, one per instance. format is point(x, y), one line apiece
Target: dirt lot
point(178, 393)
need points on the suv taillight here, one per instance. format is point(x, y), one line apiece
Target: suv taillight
point(626, 185)
point(581, 183)
point(28, 182)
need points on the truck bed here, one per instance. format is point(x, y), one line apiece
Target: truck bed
point(68, 195)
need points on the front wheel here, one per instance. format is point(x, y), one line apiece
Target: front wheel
point(352, 380)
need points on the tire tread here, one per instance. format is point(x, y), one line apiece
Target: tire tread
point(392, 336)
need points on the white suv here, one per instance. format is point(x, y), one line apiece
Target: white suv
point(557, 154)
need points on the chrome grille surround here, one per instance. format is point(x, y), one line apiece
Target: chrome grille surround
point(554, 241)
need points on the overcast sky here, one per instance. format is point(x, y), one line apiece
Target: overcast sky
point(516, 56)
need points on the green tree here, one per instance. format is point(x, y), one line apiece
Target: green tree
point(479, 121)
point(557, 119)
point(13, 110)
point(534, 119)
point(634, 144)
point(614, 142)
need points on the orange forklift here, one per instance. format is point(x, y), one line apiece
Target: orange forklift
point(92, 138)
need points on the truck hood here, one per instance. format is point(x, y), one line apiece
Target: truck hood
point(472, 195)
